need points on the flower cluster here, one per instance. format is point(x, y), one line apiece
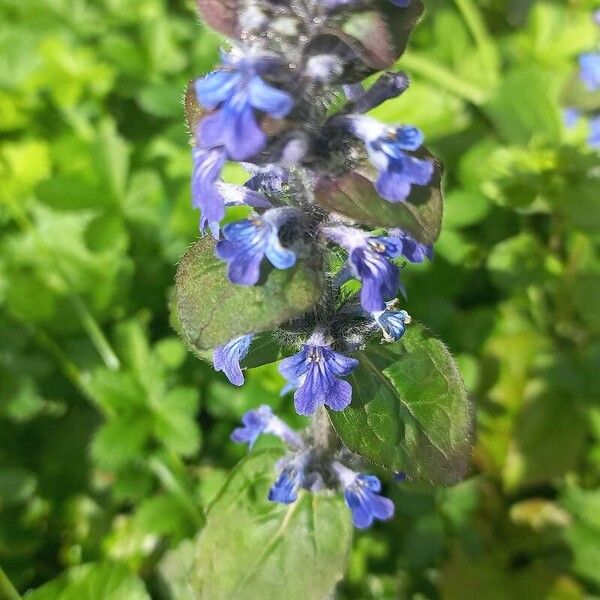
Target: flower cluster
point(305, 467)
point(269, 107)
point(589, 77)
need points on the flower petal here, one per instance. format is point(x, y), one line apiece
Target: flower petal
point(265, 97)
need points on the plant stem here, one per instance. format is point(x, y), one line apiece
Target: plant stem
point(321, 429)
point(7, 589)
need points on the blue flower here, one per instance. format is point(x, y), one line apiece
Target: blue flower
point(401, 3)
point(589, 70)
point(291, 478)
point(262, 420)
point(392, 323)
point(570, 117)
point(361, 493)
point(227, 358)
point(233, 195)
point(411, 249)
point(370, 261)
point(236, 92)
point(314, 372)
point(247, 242)
point(205, 193)
point(387, 148)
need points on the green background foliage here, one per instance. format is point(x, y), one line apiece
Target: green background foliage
point(114, 438)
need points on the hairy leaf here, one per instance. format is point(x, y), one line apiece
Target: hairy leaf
point(409, 410)
point(368, 40)
point(353, 195)
point(212, 311)
point(252, 548)
point(221, 15)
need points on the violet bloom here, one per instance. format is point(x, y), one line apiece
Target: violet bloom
point(589, 70)
point(247, 242)
point(227, 358)
point(233, 195)
point(411, 249)
point(401, 3)
point(392, 323)
point(314, 373)
point(570, 117)
point(205, 193)
point(361, 493)
point(260, 421)
point(236, 91)
point(387, 147)
point(370, 261)
point(292, 477)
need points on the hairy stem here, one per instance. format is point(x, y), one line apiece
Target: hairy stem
point(320, 429)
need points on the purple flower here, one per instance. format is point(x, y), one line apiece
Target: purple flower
point(227, 358)
point(411, 249)
point(247, 242)
point(392, 323)
point(205, 193)
point(236, 92)
point(314, 372)
point(589, 70)
point(401, 3)
point(292, 476)
point(570, 117)
point(387, 148)
point(262, 420)
point(370, 261)
point(361, 493)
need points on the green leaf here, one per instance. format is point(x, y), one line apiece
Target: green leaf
point(583, 536)
point(16, 486)
point(212, 310)
point(354, 196)
point(532, 461)
point(409, 410)
point(526, 104)
point(102, 581)
point(255, 549)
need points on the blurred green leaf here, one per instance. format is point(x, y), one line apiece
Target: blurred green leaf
point(103, 581)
